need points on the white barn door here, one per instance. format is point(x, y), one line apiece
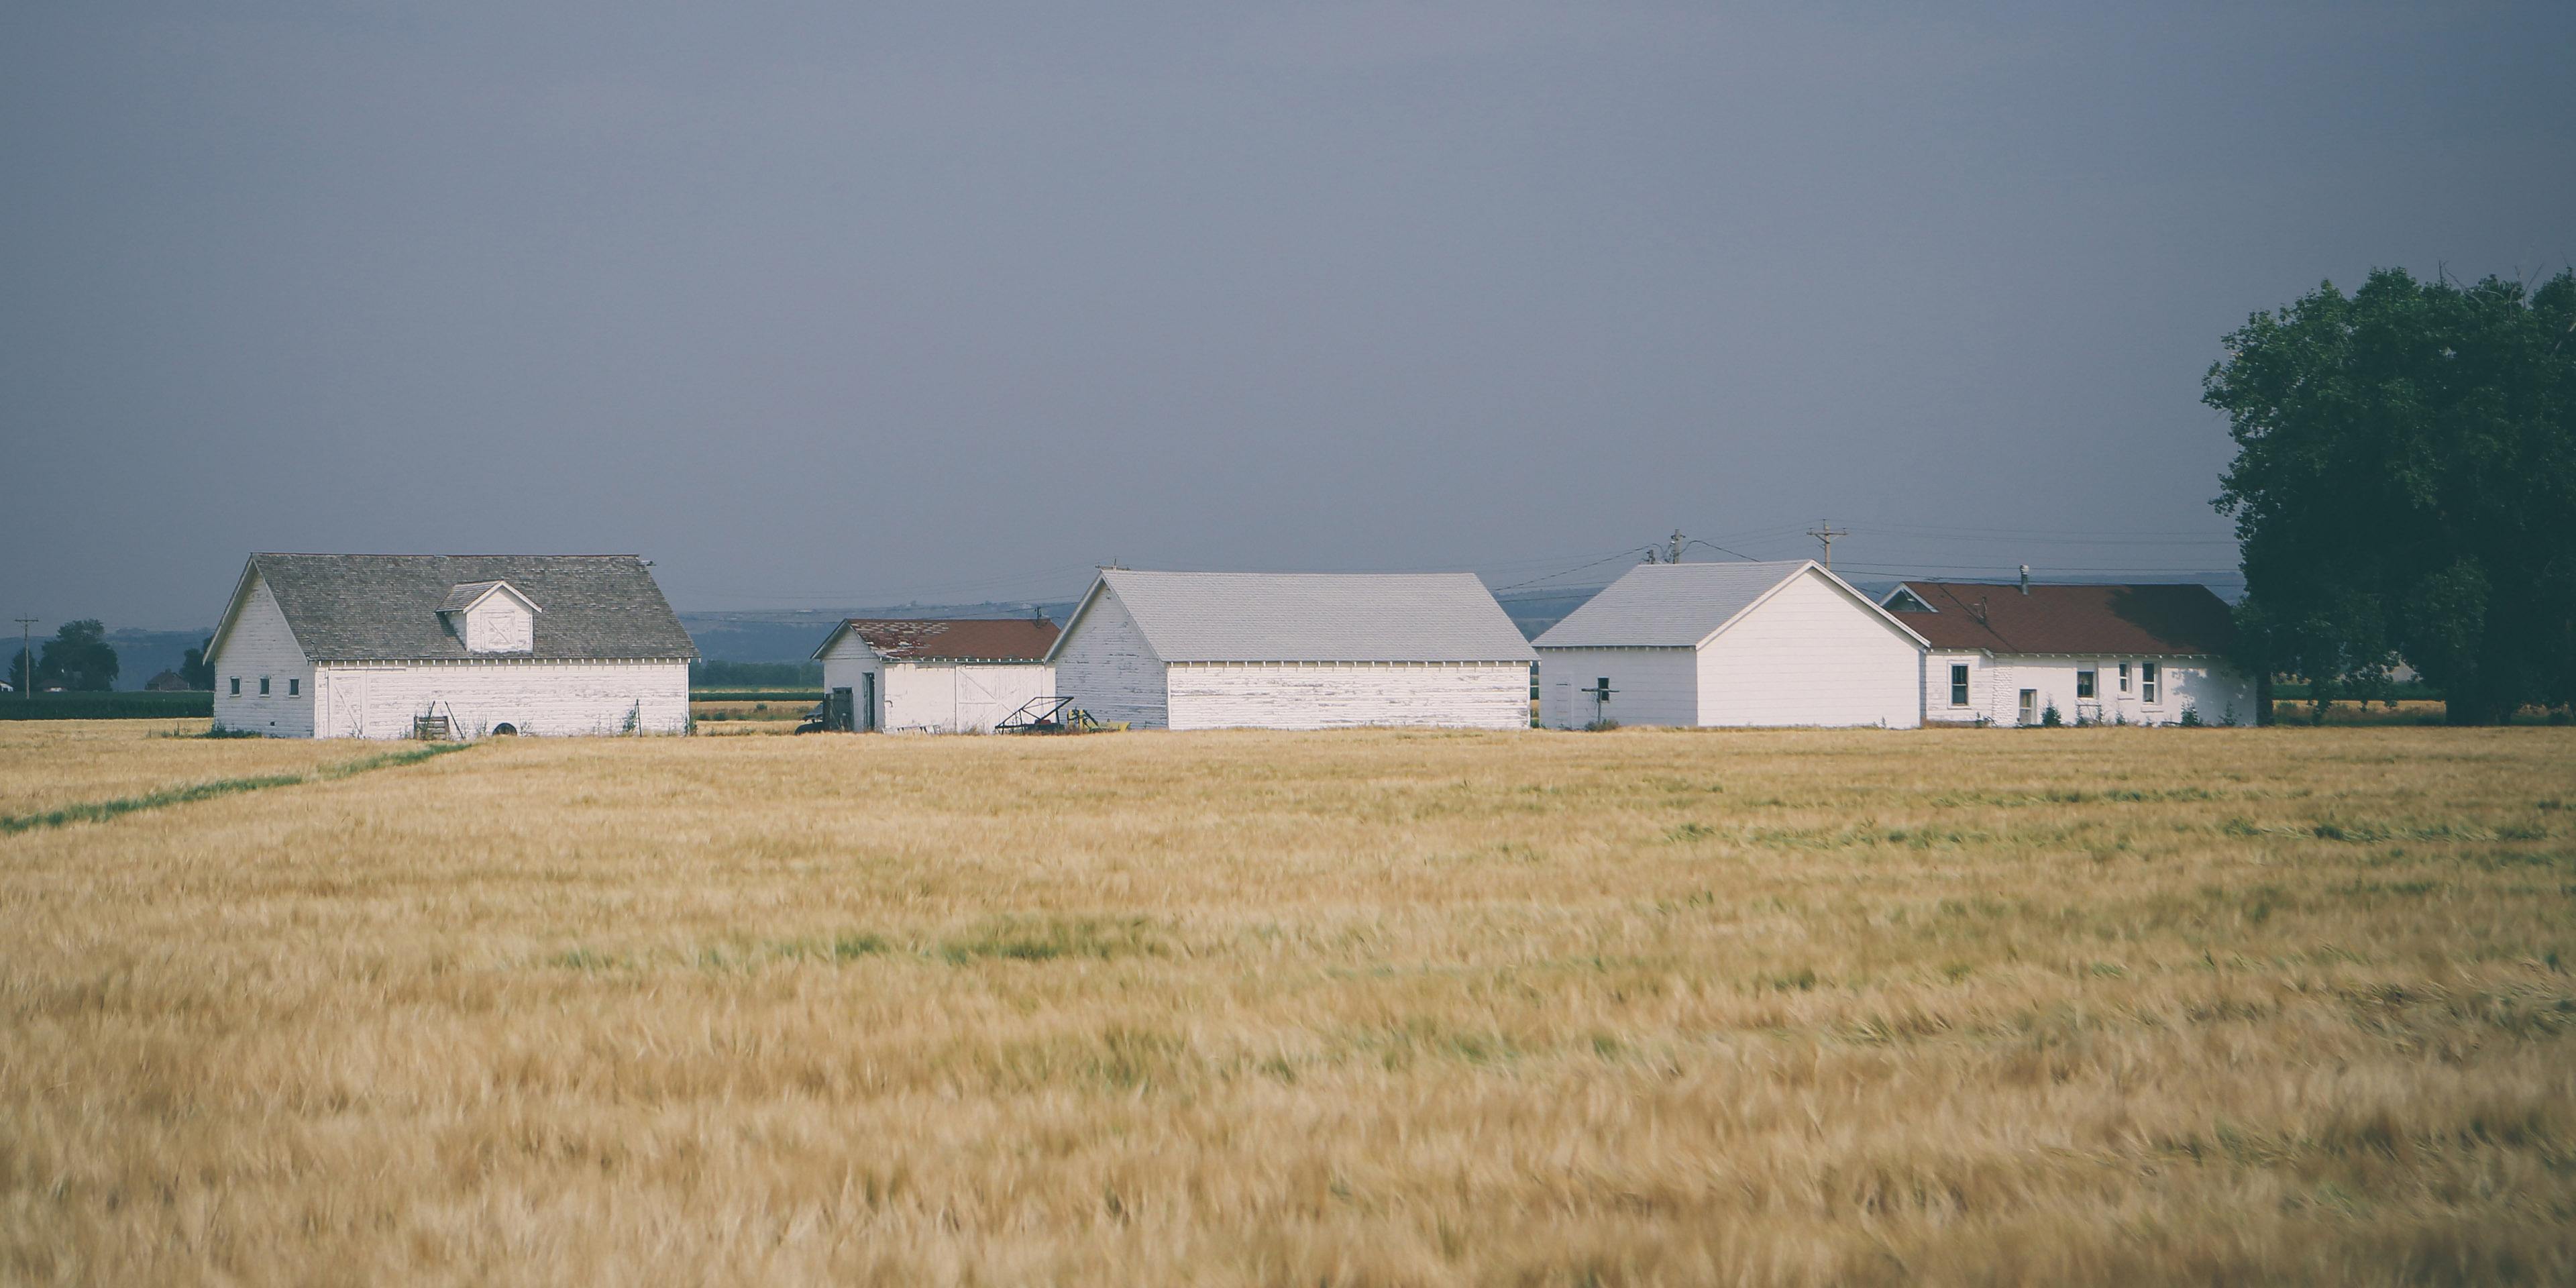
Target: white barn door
point(348, 714)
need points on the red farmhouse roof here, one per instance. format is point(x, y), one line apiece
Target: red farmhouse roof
point(2184, 619)
point(1017, 639)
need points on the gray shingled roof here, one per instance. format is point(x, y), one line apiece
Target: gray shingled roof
point(1318, 617)
point(385, 608)
point(1670, 605)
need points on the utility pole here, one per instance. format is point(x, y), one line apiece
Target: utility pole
point(1826, 532)
point(27, 650)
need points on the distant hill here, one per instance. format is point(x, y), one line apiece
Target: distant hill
point(792, 635)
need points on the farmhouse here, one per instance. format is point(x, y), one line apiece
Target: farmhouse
point(933, 676)
point(399, 646)
point(2008, 654)
point(1711, 644)
point(1205, 650)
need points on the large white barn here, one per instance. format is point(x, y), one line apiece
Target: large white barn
point(1784, 643)
point(2137, 654)
point(400, 646)
point(1209, 650)
point(957, 676)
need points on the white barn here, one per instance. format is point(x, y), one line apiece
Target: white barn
point(1212, 650)
point(400, 646)
point(1731, 644)
point(957, 676)
point(2005, 654)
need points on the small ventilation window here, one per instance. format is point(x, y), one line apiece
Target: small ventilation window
point(295, 688)
point(236, 686)
point(263, 686)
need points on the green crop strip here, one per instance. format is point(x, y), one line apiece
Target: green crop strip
point(101, 811)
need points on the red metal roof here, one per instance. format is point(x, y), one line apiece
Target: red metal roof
point(2186, 619)
point(1016, 639)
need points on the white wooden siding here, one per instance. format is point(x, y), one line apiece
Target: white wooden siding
point(957, 697)
point(261, 646)
point(1337, 695)
point(1995, 683)
point(1108, 669)
point(499, 624)
point(379, 699)
point(1811, 654)
point(1936, 687)
point(846, 665)
point(1653, 686)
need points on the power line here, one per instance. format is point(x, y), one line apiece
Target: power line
point(1629, 553)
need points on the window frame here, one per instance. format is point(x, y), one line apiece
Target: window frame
point(2150, 683)
point(2088, 682)
point(294, 686)
point(236, 687)
point(263, 686)
point(1958, 684)
point(2124, 677)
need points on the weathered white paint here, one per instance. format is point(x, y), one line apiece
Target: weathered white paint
point(1995, 682)
point(539, 698)
point(1650, 686)
point(1341, 695)
point(933, 695)
point(261, 649)
point(1105, 664)
point(502, 621)
point(1813, 653)
point(1808, 651)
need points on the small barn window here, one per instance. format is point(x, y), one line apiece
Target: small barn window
point(236, 686)
point(2084, 684)
point(2147, 678)
point(263, 686)
point(1958, 684)
point(294, 688)
point(2124, 677)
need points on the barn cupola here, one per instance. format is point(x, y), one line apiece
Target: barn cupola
point(491, 617)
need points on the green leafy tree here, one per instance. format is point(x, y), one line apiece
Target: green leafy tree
point(195, 669)
point(78, 658)
point(2405, 489)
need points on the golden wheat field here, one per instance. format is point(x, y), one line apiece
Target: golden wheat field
point(2283, 1006)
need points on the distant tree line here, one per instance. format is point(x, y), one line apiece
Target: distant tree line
point(755, 675)
point(2405, 490)
point(77, 658)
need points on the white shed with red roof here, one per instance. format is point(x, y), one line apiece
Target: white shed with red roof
point(921, 675)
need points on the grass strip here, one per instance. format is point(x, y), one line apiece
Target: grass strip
point(101, 811)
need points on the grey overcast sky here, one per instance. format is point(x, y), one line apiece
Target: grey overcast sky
point(835, 304)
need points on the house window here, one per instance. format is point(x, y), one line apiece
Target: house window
point(1958, 684)
point(2030, 706)
point(263, 686)
point(236, 686)
point(2147, 681)
point(2124, 677)
point(2084, 684)
point(294, 688)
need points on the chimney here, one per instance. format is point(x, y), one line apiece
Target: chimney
point(2025, 579)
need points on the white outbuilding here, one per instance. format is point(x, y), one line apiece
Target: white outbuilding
point(1711, 644)
point(403, 646)
point(925, 676)
point(1216, 650)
